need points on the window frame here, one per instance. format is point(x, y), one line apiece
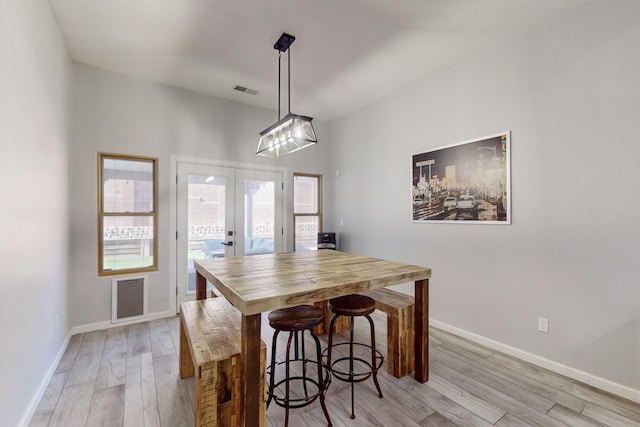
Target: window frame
point(102, 214)
point(318, 213)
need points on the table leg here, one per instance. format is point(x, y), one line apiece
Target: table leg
point(250, 372)
point(422, 330)
point(201, 286)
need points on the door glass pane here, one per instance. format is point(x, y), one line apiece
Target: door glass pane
point(306, 231)
point(205, 221)
point(259, 217)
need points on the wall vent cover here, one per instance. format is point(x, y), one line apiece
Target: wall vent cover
point(129, 299)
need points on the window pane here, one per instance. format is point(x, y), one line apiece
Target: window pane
point(127, 185)
point(305, 194)
point(306, 231)
point(127, 242)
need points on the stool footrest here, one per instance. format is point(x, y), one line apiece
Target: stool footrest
point(308, 398)
point(354, 377)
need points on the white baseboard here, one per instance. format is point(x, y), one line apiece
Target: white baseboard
point(108, 324)
point(35, 400)
point(576, 374)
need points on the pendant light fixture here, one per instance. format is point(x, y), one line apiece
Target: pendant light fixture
point(293, 132)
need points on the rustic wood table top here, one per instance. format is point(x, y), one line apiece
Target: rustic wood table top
point(267, 282)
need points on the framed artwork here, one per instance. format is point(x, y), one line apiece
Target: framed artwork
point(467, 182)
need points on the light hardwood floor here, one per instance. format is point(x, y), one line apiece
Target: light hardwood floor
point(128, 376)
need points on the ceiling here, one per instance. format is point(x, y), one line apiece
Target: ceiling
point(347, 53)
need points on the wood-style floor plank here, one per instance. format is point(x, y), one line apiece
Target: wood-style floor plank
point(572, 418)
point(160, 337)
point(494, 366)
point(138, 340)
point(141, 402)
point(608, 417)
point(49, 400)
point(128, 376)
point(436, 420)
point(175, 406)
point(475, 404)
point(70, 353)
point(107, 407)
point(580, 390)
point(73, 406)
point(510, 420)
point(87, 362)
point(113, 364)
point(488, 382)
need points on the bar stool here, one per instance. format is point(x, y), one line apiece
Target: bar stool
point(354, 305)
point(297, 320)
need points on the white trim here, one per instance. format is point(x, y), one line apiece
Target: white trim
point(90, 327)
point(37, 396)
point(576, 374)
point(175, 159)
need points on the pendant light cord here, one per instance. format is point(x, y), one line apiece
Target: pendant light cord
point(279, 55)
point(289, 76)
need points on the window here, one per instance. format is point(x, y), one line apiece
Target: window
point(127, 214)
point(307, 210)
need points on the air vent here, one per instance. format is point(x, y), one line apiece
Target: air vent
point(129, 299)
point(246, 90)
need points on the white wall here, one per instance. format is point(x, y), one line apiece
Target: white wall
point(35, 116)
point(570, 94)
point(118, 114)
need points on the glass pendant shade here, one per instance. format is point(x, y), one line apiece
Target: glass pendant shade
point(290, 134)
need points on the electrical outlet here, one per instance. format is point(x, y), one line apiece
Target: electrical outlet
point(543, 324)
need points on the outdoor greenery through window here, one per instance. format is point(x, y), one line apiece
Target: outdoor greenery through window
point(307, 210)
point(127, 214)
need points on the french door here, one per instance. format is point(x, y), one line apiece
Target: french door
point(224, 212)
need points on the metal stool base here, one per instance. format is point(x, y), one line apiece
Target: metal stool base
point(320, 385)
point(309, 398)
point(353, 377)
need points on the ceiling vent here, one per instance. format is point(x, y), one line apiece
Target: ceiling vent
point(246, 90)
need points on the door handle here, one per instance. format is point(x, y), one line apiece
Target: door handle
point(229, 243)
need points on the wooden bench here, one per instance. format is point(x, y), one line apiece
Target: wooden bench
point(342, 323)
point(400, 328)
point(210, 340)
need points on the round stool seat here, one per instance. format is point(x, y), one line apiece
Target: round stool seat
point(296, 318)
point(352, 305)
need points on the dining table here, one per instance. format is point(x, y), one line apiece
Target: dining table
point(261, 283)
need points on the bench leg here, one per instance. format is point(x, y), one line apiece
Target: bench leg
point(186, 362)
point(407, 340)
point(342, 324)
point(400, 354)
point(207, 398)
